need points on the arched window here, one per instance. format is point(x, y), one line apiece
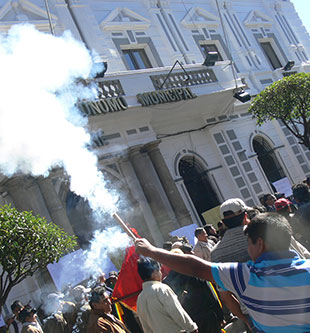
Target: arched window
point(198, 185)
point(268, 159)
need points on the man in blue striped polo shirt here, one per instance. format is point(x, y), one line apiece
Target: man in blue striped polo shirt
point(274, 285)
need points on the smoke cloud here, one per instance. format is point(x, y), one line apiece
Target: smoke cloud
point(40, 127)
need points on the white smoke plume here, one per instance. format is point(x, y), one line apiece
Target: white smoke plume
point(40, 128)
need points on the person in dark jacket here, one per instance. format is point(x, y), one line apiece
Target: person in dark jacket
point(199, 299)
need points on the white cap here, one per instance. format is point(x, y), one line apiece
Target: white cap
point(232, 207)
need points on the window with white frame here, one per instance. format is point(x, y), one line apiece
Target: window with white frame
point(136, 58)
point(212, 46)
point(206, 48)
point(272, 52)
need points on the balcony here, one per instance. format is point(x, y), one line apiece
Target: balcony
point(201, 81)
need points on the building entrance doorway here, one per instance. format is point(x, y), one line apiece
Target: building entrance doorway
point(268, 159)
point(198, 185)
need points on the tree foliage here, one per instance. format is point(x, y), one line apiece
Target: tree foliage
point(27, 243)
point(288, 100)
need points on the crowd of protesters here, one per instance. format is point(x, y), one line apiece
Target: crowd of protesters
point(252, 274)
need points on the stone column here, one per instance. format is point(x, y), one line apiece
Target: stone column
point(56, 210)
point(153, 190)
point(174, 197)
point(137, 193)
point(26, 195)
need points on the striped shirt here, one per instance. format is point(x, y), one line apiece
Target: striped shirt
point(232, 247)
point(275, 289)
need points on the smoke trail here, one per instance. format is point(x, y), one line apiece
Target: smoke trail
point(40, 128)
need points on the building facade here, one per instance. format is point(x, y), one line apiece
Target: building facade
point(174, 141)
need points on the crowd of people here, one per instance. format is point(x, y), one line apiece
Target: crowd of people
point(252, 274)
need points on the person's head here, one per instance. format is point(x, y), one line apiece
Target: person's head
point(176, 245)
point(283, 206)
point(307, 181)
point(167, 245)
point(16, 307)
point(53, 302)
point(112, 279)
point(100, 300)
point(268, 232)
point(27, 315)
point(220, 225)
point(187, 248)
point(233, 212)
point(269, 200)
point(201, 234)
point(79, 293)
point(211, 231)
point(149, 269)
point(101, 278)
point(301, 193)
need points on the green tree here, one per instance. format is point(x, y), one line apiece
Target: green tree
point(288, 100)
point(27, 243)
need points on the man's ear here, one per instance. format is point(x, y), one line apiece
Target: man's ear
point(261, 245)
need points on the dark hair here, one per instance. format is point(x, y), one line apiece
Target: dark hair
point(96, 295)
point(186, 248)
point(265, 198)
point(167, 245)
point(26, 313)
point(146, 266)
point(272, 228)
point(301, 193)
point(209, 229)
point(16, 304)
point(235, 221)
point(198, 231)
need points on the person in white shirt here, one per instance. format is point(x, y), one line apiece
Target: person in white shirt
point(158, 307)
point(204, 245)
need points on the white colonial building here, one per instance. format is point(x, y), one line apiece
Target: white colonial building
point(175, 142)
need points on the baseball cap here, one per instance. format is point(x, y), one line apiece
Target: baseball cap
point(282, 203)
point(232, 207)
point(113, 274)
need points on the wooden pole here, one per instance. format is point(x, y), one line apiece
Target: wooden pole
point(124, 226)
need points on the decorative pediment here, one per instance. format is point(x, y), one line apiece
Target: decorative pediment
point(124, 18)
point(200, 18)
point(257, 19)
point(14, 12)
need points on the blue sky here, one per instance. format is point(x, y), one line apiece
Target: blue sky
point(303, 9)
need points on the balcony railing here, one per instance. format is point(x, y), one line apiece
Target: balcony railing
point(180, 79)
point(110, 88)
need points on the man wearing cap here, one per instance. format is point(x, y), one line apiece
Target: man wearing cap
point(274, 285)
point(61, 318)
point(28, 318)
point(112, 279)
point(283, 207)
point(233, 247)
point(158, 307)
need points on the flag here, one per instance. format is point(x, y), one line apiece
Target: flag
point(129, 282)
